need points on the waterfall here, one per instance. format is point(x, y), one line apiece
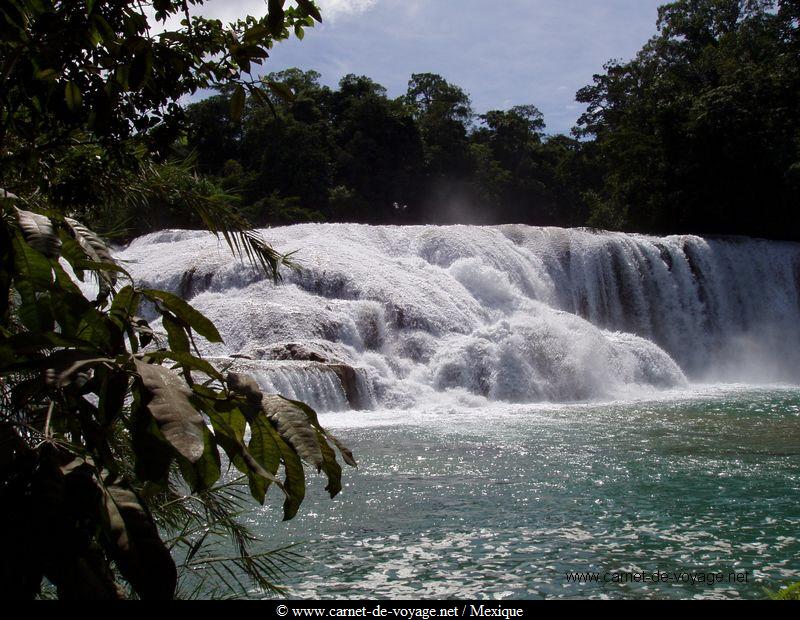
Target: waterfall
point(396, 316)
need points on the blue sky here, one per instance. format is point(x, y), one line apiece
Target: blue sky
point(502, 53)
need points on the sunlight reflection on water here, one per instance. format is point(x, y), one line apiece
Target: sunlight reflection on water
point(501, 502)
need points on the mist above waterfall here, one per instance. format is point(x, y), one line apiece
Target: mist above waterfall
point(390, 316)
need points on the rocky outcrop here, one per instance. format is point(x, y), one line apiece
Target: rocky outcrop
point(352, 385)
point(349, 379)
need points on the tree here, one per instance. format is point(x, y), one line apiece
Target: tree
point(704, 123)
point(107, 426)
point(379, 155)
point(444, 113)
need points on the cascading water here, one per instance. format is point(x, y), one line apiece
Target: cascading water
point(392, 316)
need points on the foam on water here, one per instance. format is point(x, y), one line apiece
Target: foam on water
point(474, 314)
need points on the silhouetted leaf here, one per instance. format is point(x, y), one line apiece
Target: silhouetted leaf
point(73, 97)
point(136, 546)
point(237, 103)
point(331, 468)
point(282, 90)
point(309, 7)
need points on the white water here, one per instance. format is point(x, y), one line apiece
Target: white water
point(511, 313)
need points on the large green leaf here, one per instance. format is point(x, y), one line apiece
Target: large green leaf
point(168, 403)
point(295, 482)
point(265, 450)
point(262, 446)
point(347, 455)
point(31, 265)
point(186, 313)
point(177, 337)
point(229, 426)
point(201, 474)
point(294, 427)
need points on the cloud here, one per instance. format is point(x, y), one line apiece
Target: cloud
point(331, 9)
point(229, 10)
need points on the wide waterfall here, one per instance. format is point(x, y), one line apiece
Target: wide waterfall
point(394, 316)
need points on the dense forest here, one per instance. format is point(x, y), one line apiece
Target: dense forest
point(700, 132)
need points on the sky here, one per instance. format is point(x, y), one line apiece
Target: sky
point(503, 53)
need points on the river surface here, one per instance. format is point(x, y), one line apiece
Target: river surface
point(502, 502)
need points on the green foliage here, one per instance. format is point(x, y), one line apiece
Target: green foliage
point(72, 450)
point(789, 593)
point(113, 438)
point(704, 123)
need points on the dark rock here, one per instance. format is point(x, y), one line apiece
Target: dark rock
point(349, 378)
point(192, 285)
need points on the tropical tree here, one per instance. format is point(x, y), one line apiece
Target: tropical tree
point(703, 124)
point(118, 442)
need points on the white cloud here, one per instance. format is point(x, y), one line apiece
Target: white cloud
point(229, 10)
point(331, 9)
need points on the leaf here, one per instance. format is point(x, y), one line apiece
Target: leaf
point(35, 316)
point(73, 97)
point(31, 266)
point(138, 551)
point(188, 361)
point(245, 385)
point(177, 419)
point(46, 74)
point(295, 481)
point(187, 314)
point(124, 306)
point(332, 469)
point(265, 450)
point(140, 69)
point(294, 427)
point(347, 455)
point(237, 103)
point(282, 90)
point(152, 455)
point(39, 232)
point(97, 252)
point(203, 473)
point(309, 7)
point(229, 427)
point(176, 335)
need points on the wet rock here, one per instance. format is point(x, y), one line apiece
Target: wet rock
point(349, 378)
